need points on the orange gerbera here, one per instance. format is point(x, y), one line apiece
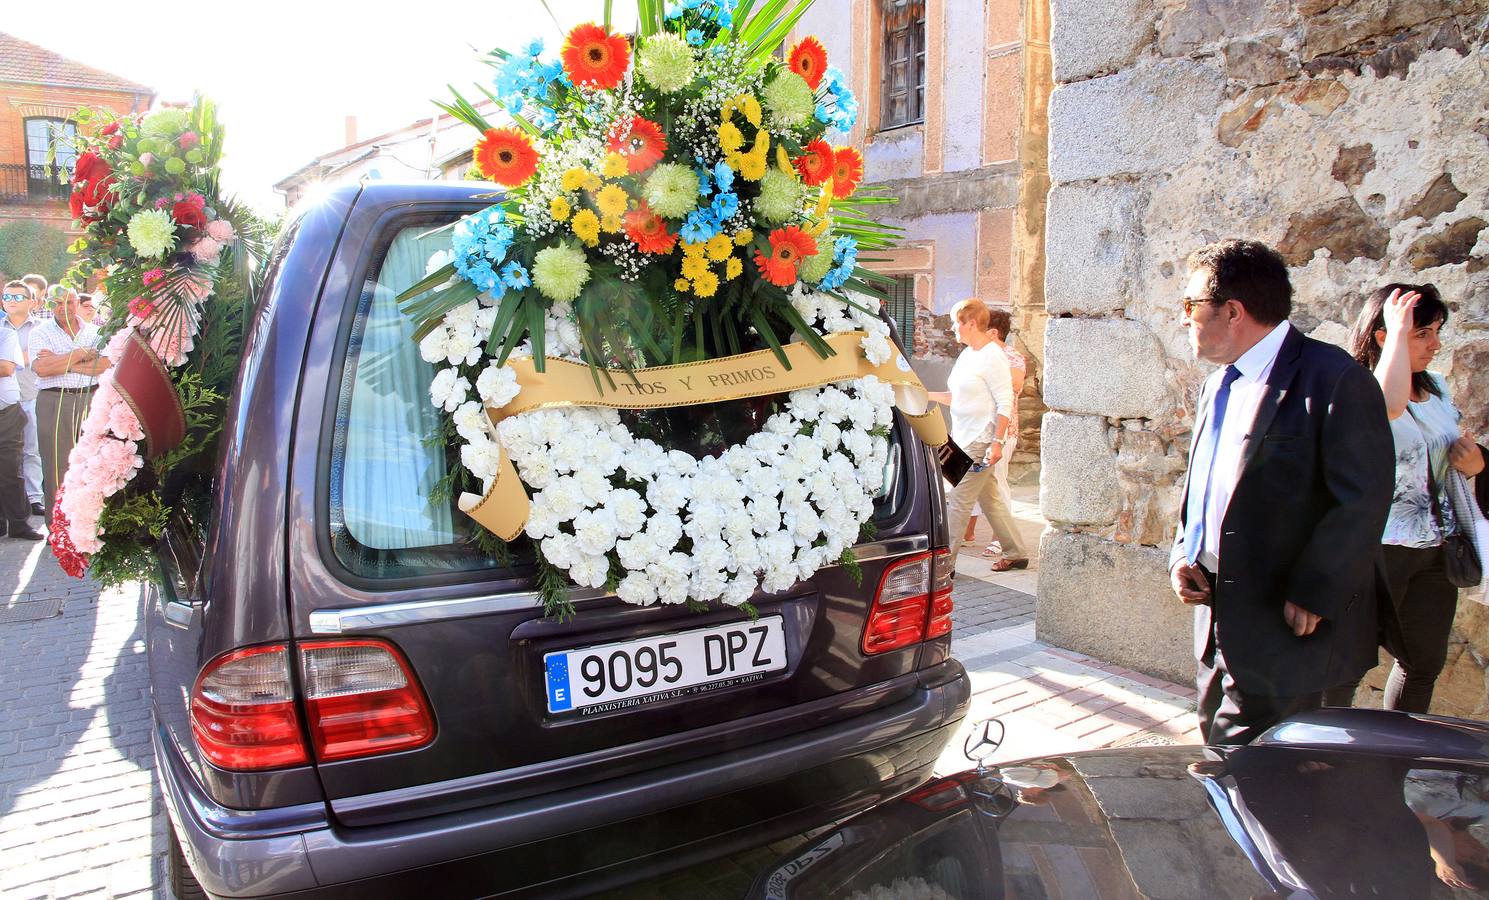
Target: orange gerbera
point(641, 143)
point(815, 165)
point(847, 171)
point(649, 230)
point(809, 60)
point(595, 58)
point(788, 247)
point(506, 156)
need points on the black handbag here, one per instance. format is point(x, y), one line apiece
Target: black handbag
point(1460, 562)
point(954, 462)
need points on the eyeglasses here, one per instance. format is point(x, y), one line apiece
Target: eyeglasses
point(1189, 304)
point(14, 298)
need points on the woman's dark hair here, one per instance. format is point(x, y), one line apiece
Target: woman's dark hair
point(1000, 321)
point(1372, 318)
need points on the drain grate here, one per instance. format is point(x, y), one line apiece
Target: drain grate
point(31, 611)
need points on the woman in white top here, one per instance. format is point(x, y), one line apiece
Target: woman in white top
point(1396, 335)
point(980, 395)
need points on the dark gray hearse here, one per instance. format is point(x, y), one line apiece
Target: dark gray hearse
point(350, 697)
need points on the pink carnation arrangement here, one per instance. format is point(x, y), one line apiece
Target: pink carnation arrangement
point(103, 461)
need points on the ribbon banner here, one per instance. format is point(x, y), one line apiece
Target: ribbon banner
point(503, 509)
point(144, 384)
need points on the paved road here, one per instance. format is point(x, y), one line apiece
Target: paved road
point(79, 814)
point(79, 810)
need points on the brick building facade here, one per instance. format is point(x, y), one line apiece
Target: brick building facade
point(40, 93)
point(951, 117)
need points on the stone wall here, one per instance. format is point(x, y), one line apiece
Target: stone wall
point(1352, 136)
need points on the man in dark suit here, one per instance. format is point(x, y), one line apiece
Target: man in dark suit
point(1290, 475)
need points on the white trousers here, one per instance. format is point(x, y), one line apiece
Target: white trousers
point(31, 455)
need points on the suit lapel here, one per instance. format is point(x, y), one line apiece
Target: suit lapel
point(1201, 421)
point(1278, 382)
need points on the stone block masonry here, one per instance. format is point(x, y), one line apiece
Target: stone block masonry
point(1354, 138)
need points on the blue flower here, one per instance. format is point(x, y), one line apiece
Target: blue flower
point(480, 242)
point(845, 258)
point(534, 48)
point(515, 276)
point(724, 175)
point(724, 205)
point(700, 226)
point(695, 38)
point(673, 10)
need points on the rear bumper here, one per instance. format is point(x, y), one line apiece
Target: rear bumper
point(645, 823)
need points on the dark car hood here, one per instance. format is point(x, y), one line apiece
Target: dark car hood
point(1181, 822)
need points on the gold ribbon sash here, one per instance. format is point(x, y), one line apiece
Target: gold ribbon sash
point(503, 509)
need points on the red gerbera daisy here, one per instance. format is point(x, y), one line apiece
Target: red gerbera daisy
point(506, 156)
point(641, 143)
point(648, 230)
point(809, 60)
point(815, 165)
point(847, 171)
point(595, 58)
point(788, 246)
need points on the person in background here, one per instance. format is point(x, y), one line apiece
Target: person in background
point(86, 310)
point(65, 355)
point(40, 291)
point(13, 506)
point(980, 397)
point(1396, 336)
point(1000, 326)
point(18, 304)
point(1286, 494)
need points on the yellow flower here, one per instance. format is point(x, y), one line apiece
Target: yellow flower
point(559, 209)
point(752, 165)
point(783, 160)
point(615, 165)
point(732, 268)
point(730, 137)
point(744, 237)
point(694, 267)
point(592, 182)
point(751, 109)
point(586, 226)
point(681, 285)
point(611, 200)
point(706, 284)
point(612, 224)
point(574, 179)
point(693, 250)
point(719, 247)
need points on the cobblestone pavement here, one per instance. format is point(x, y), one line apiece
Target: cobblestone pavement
point(80, 814)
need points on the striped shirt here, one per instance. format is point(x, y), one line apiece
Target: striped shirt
point(49, 336)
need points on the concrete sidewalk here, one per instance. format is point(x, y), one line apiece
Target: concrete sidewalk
point(1050, 701)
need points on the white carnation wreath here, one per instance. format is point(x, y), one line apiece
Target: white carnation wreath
point(765, 513)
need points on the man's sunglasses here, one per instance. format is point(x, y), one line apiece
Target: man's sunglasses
point(1189, 304)
point(13, 298)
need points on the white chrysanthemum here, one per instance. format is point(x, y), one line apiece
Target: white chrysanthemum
point(152, 233)
point(448, 389)
point(665, 61)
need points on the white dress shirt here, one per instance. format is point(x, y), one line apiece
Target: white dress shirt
point(981, 390)
point(50, 336)
point(25, 375)
point(10, 351)
point(1246, 394)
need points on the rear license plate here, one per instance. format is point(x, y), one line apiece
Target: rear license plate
point(661, 667)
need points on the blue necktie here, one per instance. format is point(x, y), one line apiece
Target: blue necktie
point(1204, 462)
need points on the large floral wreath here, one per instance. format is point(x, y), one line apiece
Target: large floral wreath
point(174, 257)
point(669, 203)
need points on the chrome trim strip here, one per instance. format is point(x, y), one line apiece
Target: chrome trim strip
point(414, 612)
point(894, 546)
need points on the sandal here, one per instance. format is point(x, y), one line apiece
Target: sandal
point(992, 551)
point(1003, 565)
